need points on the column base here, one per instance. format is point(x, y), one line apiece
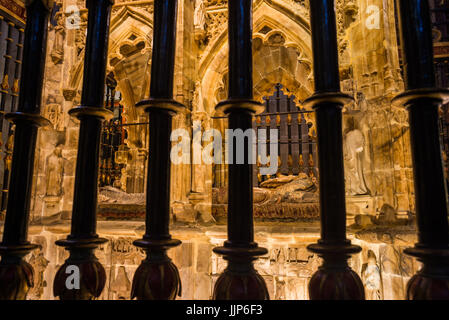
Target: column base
point(81, 277)
point(157, 277)
point(335, 280)
point(16, 275)
point(240, 281)
point(432, 281)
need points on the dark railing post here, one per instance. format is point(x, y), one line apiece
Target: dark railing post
point(157, 278)
point(240, 281)
point(83, 239)
point(422, 100)
point(334, 279)
point(16, 275)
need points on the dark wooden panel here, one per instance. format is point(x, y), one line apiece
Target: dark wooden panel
point(11, 51)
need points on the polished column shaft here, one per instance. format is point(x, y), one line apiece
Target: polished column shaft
point(158, 182)
point(83, 239)
point(334, 279)
point(157, 278)
point(86, 186)
point(240, 188)
point(240, 31)
point(331, 166)
point(431, 206)
point(16, 274)
point(422, 100)
point(417, 44)
point(324, 46)
point(161, 87)
point(164, 41)
point(329, 123)
point(240, 281)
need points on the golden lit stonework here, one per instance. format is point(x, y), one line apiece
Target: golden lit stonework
point(377, 155)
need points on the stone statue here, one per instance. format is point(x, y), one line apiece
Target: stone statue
point(199, 18)
point(39, 264)
point(198, 102)
point(371, 278)
point(121, 286)
point(200, 123)
point(81, 32)
point(362, 104)
point(55, 173)
point(354, 145)
point(198, 183)
point(57, 53)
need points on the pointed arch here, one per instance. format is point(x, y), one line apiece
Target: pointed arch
point(290, 61)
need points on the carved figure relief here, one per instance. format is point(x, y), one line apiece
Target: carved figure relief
point(57, 52)
point(121, 286)
point(198, 183)
point(124, 252)
point(39, 264)
point(80, 36)
point(371, 278)
point(354, 146)
point(200, 123)
point(199, 18)
point(55, 173)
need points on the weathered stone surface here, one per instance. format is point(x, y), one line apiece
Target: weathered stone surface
point(379, 175)
point(287, 267)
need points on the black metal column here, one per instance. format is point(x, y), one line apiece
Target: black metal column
point(16, 275)
point(422, 100)
point(157, 278)
point(334, 280)
point(240, 281)
point(83, 239)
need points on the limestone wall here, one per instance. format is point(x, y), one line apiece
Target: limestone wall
point(286, 269)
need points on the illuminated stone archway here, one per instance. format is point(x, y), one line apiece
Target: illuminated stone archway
point(282, 54)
